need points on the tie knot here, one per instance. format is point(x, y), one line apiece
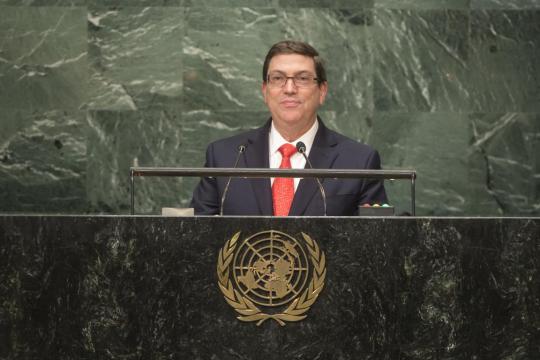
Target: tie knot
point(287, 150)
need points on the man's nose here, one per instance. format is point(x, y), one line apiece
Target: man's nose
point(289, 86)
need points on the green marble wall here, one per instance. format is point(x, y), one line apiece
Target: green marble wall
point(90, 87)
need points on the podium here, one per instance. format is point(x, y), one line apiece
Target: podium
point(146, 287)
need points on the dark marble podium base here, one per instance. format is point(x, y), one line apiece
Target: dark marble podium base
point(146, 288)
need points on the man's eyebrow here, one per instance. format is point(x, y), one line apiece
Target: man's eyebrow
point(301, 72)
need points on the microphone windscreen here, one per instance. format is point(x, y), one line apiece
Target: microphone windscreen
point(301, 147)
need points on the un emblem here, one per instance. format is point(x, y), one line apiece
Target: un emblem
point(271, 275)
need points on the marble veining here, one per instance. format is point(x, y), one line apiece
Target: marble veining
point(145, 287)
point(449, 88)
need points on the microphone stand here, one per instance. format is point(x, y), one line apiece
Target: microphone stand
point(301, 147)
point(241, 149)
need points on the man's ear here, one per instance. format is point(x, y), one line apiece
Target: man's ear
point(263, 90)
point(323, 90)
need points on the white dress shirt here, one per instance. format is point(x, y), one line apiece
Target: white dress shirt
point(275, 140)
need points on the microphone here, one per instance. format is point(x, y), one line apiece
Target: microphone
point(241, 150)
point(301, 148)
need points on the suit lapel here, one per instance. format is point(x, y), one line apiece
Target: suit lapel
point(256, 156)
point(322, 156)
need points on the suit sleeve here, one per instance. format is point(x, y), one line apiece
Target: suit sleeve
point(373, 191)
point(205, 200)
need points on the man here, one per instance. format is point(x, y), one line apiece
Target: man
point(294, 86)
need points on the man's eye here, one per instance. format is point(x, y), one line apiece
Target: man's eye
point(304, 78)
point(276, 78)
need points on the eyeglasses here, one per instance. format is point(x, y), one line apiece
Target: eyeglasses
point(303, 80)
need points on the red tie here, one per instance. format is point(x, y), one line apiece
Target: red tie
point(283, 188)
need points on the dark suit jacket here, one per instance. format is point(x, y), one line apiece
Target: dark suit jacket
point(253, 196)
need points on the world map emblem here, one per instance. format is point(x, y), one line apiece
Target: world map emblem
point(271, 275)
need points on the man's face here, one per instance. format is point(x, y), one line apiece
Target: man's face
point(293, 107)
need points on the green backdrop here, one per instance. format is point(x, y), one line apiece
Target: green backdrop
point(89, 88)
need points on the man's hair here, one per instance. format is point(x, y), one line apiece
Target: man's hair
point(295, 47)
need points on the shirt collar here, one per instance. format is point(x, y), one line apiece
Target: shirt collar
point(276, 140)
